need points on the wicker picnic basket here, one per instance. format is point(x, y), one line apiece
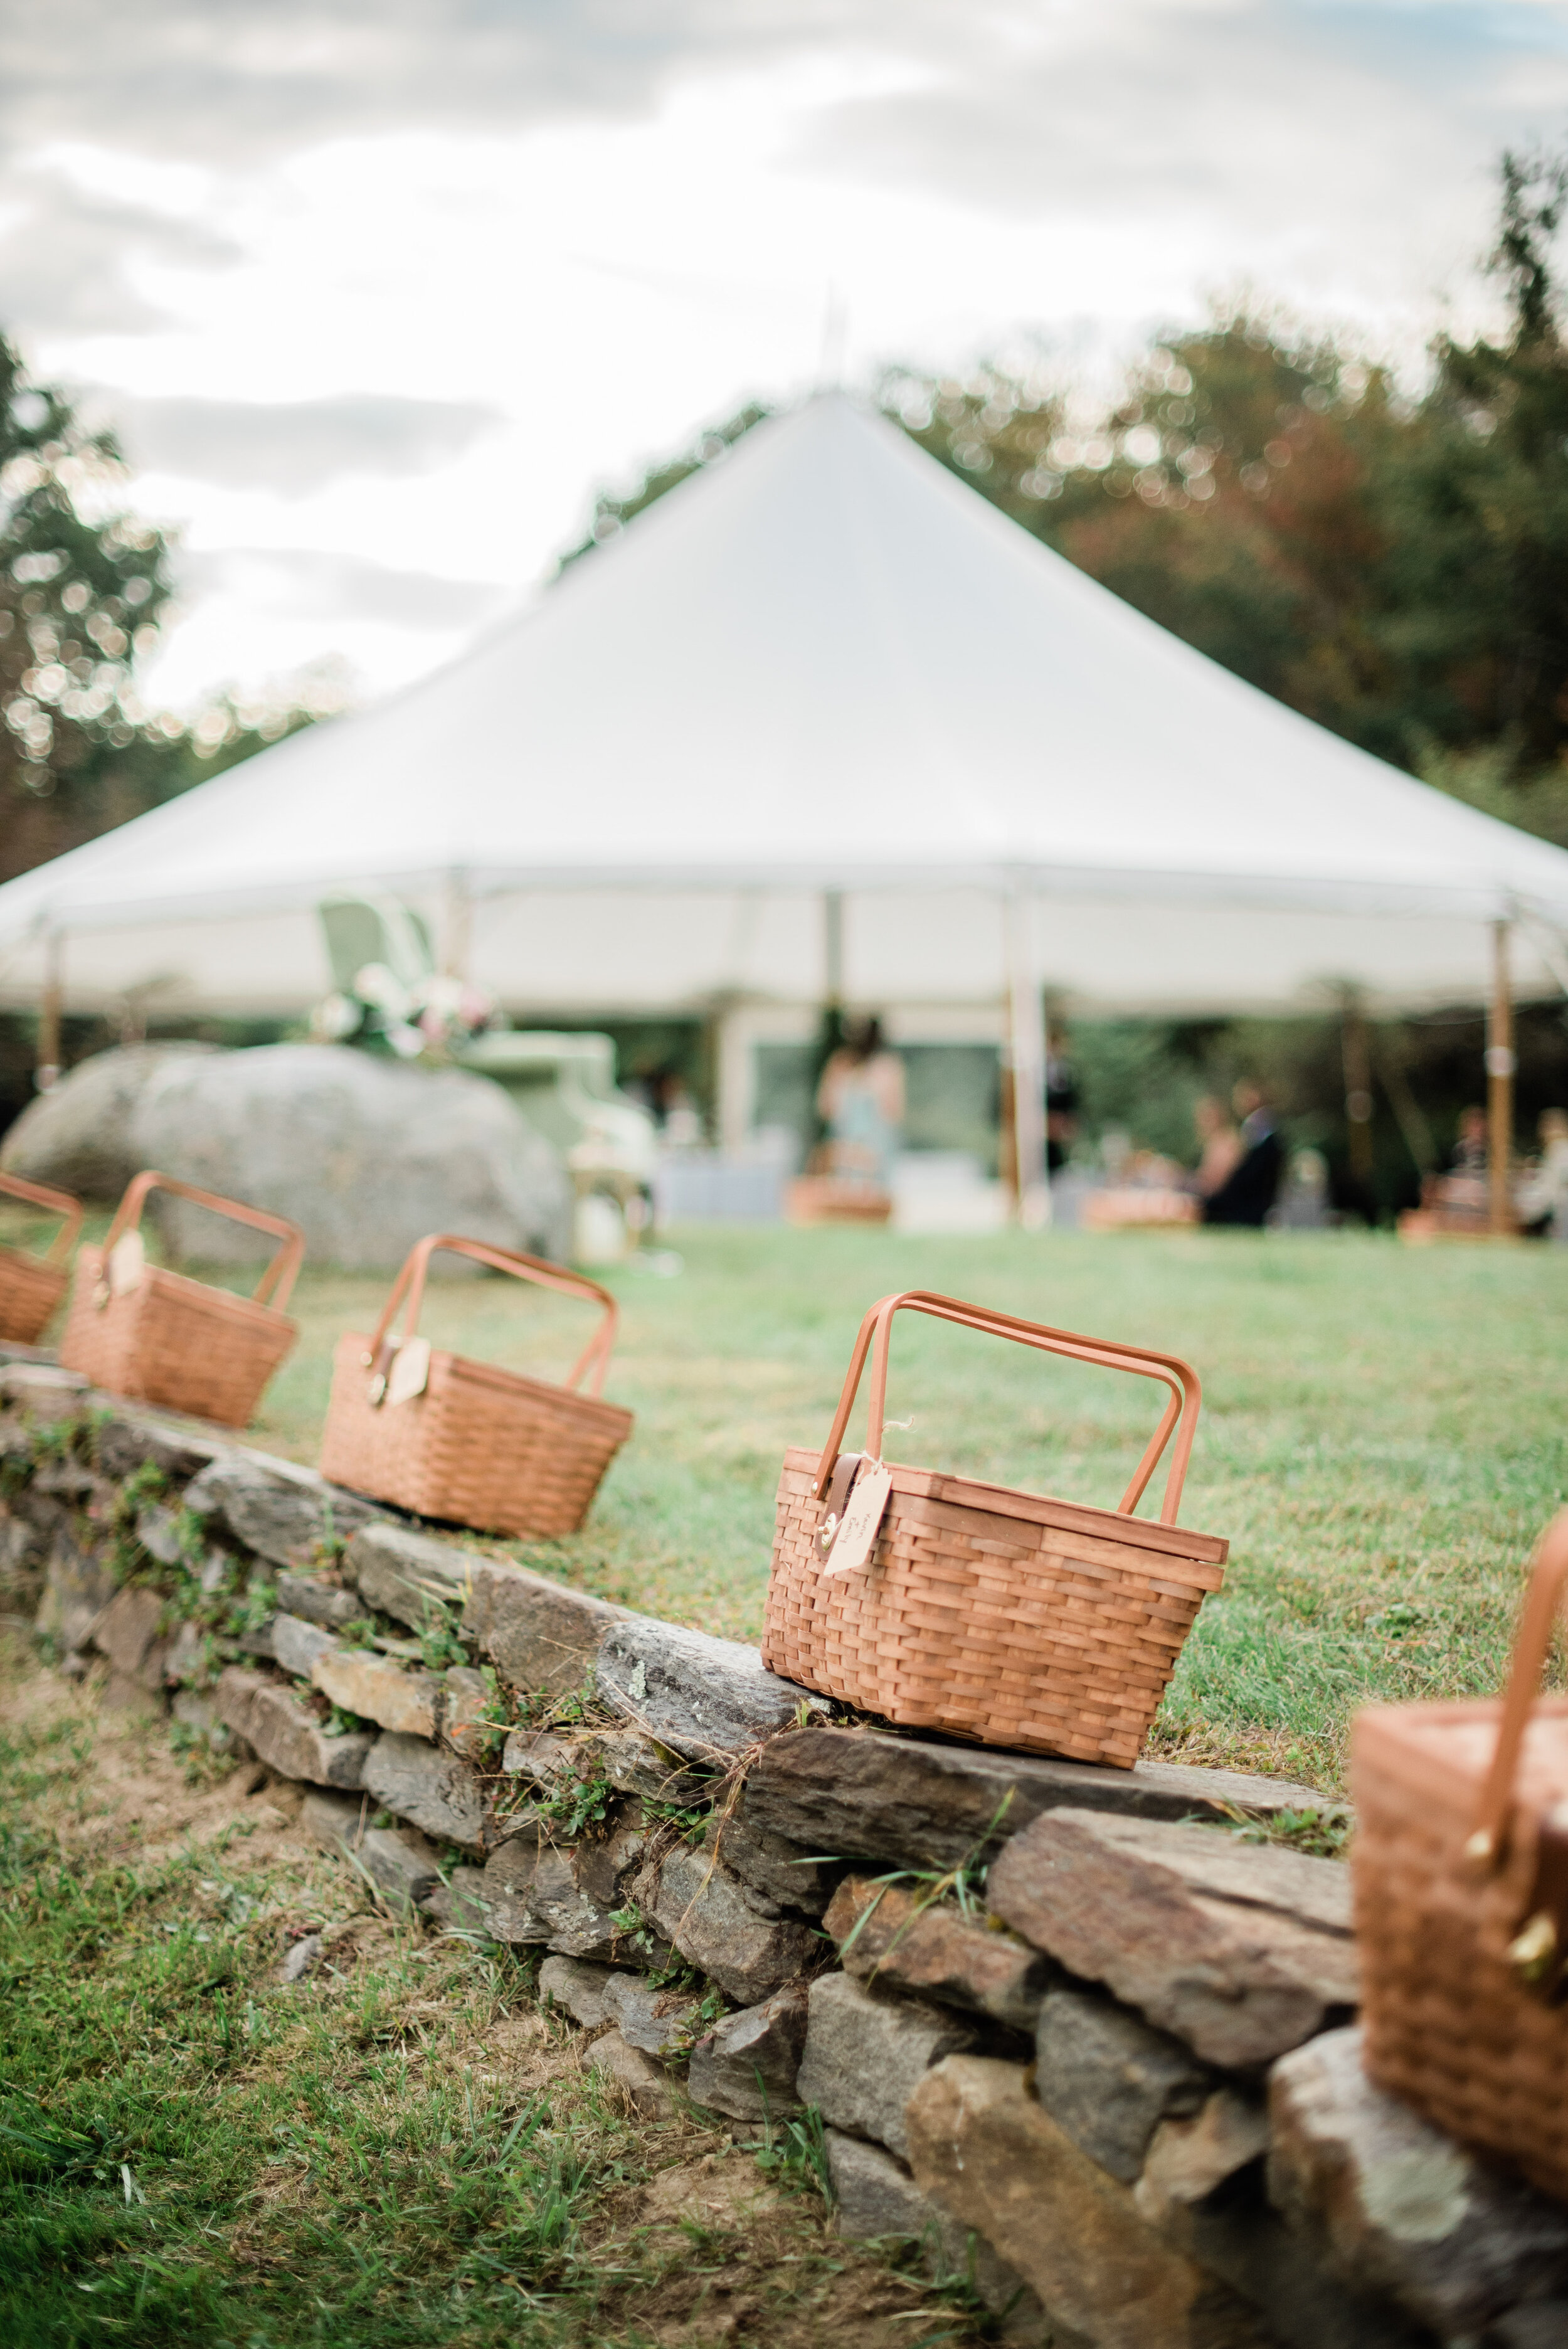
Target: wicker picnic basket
point(32, 1286)
point(156, 1336)
point(994, 1615)
point(1460, 1869)
point(464, 1440)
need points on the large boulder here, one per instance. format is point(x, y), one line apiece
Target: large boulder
point(79, 1136)
point(364, 1155)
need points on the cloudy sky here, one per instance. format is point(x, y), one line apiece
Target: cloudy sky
point(378, 292)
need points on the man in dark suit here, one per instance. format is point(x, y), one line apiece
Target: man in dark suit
point(1249, 1191)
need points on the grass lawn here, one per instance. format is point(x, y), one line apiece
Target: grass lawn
point(1383, 1435)
point(402, 2151)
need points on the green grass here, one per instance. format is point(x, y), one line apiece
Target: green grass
point(1383, 1433)
point(398, 2152)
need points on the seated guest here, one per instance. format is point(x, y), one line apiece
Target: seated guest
point(1248, 1192)
point(1470, 1150)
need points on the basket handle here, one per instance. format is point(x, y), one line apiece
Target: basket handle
point(276, 1282)
point(1547, 1578)
point(594, 1359)
point(58, 1202)
point(1179, 1377)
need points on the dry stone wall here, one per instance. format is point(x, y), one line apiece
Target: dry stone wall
point(1089, 2034)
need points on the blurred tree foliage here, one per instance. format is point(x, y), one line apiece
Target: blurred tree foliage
point(1394, 567)
point(613, 510)
point(83, 589)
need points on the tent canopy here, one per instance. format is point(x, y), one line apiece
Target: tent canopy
point(823, 664)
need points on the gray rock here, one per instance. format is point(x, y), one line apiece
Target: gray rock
point(286, 1513)
point(366, 1156)
point(286, 1737)
point(1395, 2207)
point(638, 1764)
point(403, 1867)
point(42, 1390)
point(657, 2021)
point(432, 1790)
point(1109, 2080)
point(78, 1586)
point(541, 1635)
point(134, 1438)
point(315, 1601)
point(746, 2065)
point(546, 1904)
point(200, 1714)
point(1544, 2326)
point(709, 1699)
point(604, 1864)
point(866, 2053)
point(727, 1932)
point(302, 1959)
point(875, 2199)
point(866, 1796)
point(781, 1871)
point(159, 1532)
point(129, 1633)
point(1239, 1950)
point(404, 1574)
point(77, 1137)
point(376, 1688)
point(465, 1698)
point(933, 1950)
point(458, 1905)
point(296, 1644)
point(636, 2078)
point(577, 1986)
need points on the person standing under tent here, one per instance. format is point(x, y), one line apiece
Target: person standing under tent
point(1247, 1194)
point(860, 1100)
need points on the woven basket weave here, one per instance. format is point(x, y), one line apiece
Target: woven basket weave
point(32, 1286)
point(1461, 1869)
point(161, 1337)
point(995, 1615)
point(476, 1446)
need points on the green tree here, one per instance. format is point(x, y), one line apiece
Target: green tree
point(82, 590)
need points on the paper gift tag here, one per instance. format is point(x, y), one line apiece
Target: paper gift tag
point(127, 1263)
point(410, 1370)
point(857, 1534)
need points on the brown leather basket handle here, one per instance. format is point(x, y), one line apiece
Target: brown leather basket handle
point(58, 1202)
point(276, 1282)
point(1547, 1579)
point(594, 1357)
point(1179, 1415)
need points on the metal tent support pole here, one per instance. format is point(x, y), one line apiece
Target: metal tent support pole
point(1500, 1069)
point(51, 1008)
point(457, 926)
point(1026, 1056)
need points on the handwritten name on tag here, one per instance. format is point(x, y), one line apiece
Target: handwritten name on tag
point(127, 1263)
point(857, 1534)
point(410, 1372)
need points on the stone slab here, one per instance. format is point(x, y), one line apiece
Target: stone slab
point(709, 1699)
point(875, 2199)
point(404, 1574)
point(864, 1795)
point(286, 1737)
point(637, 2081)
point(296, 1644)
point(1110, 2080)
point(541, 1635)
point(865, 2053)
point(465, 1705)
point(129, 1633)
point(1242, 1952)
point(131, 1438)
point(79, 1584)
point(781, 1871)
point(579, 1987)
point(326, 1604)
point(458, 1906)
point(981, 2146)
point(376, 1689)
point(721, 1927)
point(934, 1950)
point(1396, 2208)
point(746, 2065)
point(431, 1790)
point(657, 2020)
point(282, 1513)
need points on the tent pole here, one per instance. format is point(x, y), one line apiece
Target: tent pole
point(1500, 1068)
point(1027, 1054)
point(457, 910)
point(51, 1006)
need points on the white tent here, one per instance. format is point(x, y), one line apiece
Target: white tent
point(821, 692)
